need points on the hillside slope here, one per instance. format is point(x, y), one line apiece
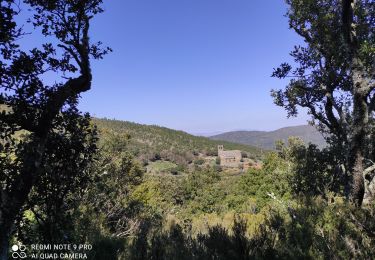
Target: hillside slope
point(267, 140)
point(150, 142)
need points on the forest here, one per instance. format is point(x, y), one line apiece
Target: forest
point(123, 190)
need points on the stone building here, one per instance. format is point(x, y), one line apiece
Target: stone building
point(230, 158)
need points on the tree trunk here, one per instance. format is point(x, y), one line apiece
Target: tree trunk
point(11, 207)
point(358, 184)
point(360, 92)
point(13, 198)
point(4, 241)
point(358, 140)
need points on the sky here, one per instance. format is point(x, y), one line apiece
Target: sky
point(202, 66)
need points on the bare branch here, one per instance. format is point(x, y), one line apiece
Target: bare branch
point(368, 170)
point(71, 52)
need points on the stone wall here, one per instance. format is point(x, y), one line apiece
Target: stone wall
point(230, 158)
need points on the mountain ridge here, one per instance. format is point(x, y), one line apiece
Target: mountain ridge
point(153, 142)
point(267, 139)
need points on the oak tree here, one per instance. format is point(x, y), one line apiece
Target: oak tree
point(334, 80)
point(30, 106)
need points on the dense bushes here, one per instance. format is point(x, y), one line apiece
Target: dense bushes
point(218, 243)
point(291, 208)
point(313, 230)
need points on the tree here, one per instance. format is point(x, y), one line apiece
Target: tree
point(334, 80)
point(64, 179)
point(109, 198)
point(311, 171)
point(30, 106)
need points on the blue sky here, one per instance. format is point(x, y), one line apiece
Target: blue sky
point(196, 65)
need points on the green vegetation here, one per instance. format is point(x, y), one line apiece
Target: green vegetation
point(291, 208)
point(154, 143)
point(147, 192)
point(332, 78)
point(46, 114)
point(161, 166)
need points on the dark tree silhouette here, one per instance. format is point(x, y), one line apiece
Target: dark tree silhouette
point(29, 106)
point(335, 81)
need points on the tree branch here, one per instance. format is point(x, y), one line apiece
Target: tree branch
point(71, 52)
point(328, 107)
point(368, 170)
point(71, 88)
point(347, 20)
point(319, 116)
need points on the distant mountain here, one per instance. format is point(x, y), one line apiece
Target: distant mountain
point(206, 134)
point(209, 134)
point(149, 141)
point(267, 140)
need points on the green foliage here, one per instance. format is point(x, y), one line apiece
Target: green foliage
point(198, 181)
point(289, 208)
point(46, 145)
point(162, 166)
point(218, 160)
point(198, 161)
point(271, 179)
point(64, 175)
point(312, 230)
point(271, 212)
point(153, 143)
point(332, 78)
point(208, 214)
point(110, 198)
point(217, 244)
point(313, 171)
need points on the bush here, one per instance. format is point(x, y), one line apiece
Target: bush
point(218, 161)
point(312, 230)
point(199, 161)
